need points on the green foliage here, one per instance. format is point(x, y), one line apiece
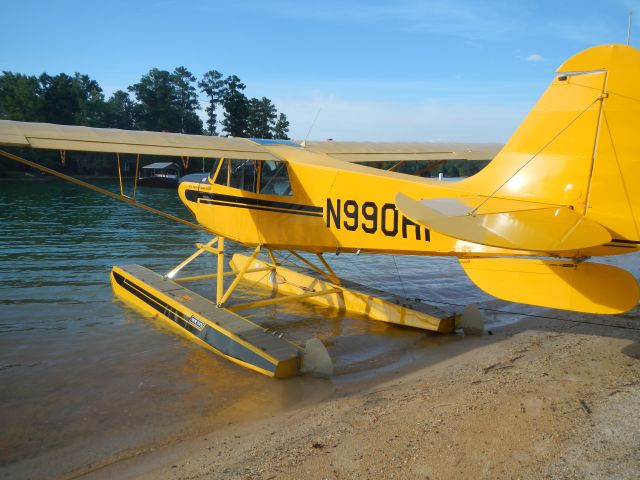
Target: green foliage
point(67, 100)
point(458, 168)
point(167, 102)
point(236, 107)
point(20, 97)
point(120, 111)
point(261, 118)
point(212, 86)
point(160, 101)
point(187, 101)
point(281, 130)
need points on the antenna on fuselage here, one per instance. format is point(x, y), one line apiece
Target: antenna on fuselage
point(313, 124)
point(629, 28)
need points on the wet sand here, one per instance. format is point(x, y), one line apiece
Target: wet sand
point(538, 399)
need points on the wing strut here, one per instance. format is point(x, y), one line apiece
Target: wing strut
point(122, 197)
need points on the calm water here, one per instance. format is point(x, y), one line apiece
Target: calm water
point(85, 380)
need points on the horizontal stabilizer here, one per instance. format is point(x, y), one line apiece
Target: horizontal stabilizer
point(533, 227)
point(584, 287)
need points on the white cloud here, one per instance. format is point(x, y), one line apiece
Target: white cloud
point(535, 57)
point(459, 18)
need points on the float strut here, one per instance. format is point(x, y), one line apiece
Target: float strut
point(278, 300)
point(220, 272)
point(195, 255)
point(236, 280)
point(329, 276)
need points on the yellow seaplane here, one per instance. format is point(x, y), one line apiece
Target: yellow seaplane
point(563, 189)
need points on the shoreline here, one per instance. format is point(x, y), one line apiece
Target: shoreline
point(537, 399)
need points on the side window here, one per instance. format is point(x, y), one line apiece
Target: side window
point(221, 179)
point(243, 174)
point(274, 179)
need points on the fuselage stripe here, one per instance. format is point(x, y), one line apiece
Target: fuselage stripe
point(253, 203)
point(194, 195)
point(265, 209)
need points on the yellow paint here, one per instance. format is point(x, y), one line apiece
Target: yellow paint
point(289, 282)
point(557, 284)
point(551, 229)
point(282, 369)
point(564, 185)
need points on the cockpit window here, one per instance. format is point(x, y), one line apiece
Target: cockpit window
point(223, 174)
point(244, 175)
point(274, 179)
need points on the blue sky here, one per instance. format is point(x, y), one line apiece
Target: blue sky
point(376, 70)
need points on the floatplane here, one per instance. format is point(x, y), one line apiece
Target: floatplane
point(563, 189)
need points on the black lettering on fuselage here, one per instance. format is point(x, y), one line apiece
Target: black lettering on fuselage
point(406, 223)
point(370, 218)
point(370, 214)
point(351, 212)
point(385, 213)
point(333, 213)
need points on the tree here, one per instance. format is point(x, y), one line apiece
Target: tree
point(213, 86)
point(186, 101)
point(281, 130)
point(91, 105)
point(76, 100)
point(261, 118)
point(119, 111)
point(155, 108)
point(20, 97)
point(235, 107)
point(167, 102)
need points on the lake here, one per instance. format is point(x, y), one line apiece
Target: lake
point(86, 380)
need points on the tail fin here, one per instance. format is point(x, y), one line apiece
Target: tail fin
point(580, 144)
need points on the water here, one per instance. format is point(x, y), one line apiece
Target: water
point(85, 380)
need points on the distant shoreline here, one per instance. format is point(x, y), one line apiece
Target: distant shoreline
point(36, 178)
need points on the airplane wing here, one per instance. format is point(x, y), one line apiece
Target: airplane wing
point(404, 151)
point(88, 139)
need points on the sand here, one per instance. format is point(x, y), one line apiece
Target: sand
point(538, 399)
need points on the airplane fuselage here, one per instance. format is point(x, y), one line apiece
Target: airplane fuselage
point(333, 206)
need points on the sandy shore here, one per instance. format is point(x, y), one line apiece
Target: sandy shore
point(538, 399)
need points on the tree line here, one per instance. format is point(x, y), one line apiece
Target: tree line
point(160, 101)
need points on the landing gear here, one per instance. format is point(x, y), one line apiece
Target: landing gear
point(217, 326)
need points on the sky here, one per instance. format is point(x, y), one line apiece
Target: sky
point(421, 70)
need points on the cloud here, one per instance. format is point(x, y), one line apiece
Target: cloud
point(450, 18)
point(535, 57)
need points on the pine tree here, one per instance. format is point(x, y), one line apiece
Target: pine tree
point(235, 106)
point(281, 130)
point(186, 99)
point(120, 111)
point(213, 86)
point(261, 118)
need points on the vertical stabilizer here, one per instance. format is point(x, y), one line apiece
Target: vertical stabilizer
point(580, 144)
